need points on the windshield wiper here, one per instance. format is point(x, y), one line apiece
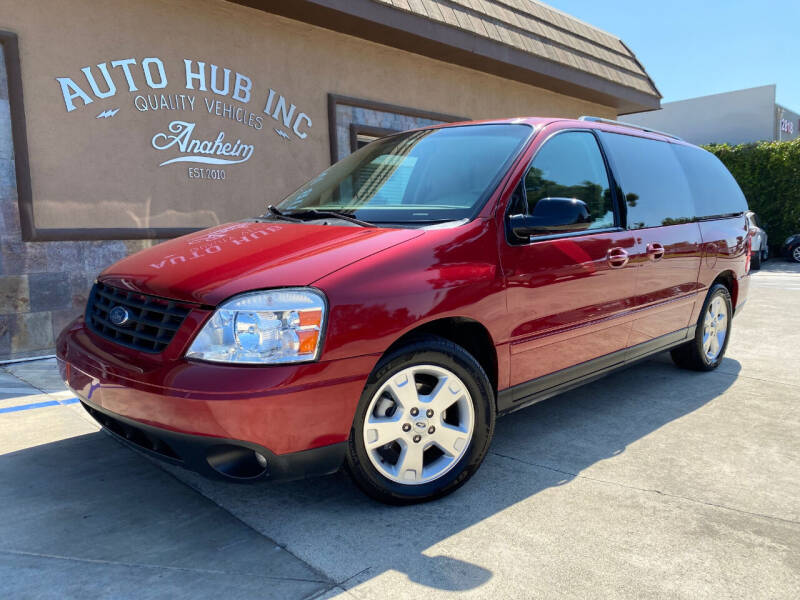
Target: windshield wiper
point(277, 213)
point(328, 213)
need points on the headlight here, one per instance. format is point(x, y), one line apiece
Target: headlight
point(269, 327)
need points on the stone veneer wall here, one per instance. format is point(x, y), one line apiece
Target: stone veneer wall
point(43, 285)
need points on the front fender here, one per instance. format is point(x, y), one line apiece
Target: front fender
point(443, 273)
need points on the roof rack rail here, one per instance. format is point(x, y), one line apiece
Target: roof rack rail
point(630, 125)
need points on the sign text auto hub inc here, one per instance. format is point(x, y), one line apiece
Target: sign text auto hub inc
point(216, 116)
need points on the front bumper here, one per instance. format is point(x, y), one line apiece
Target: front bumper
point(214, 418)
point(219, 458)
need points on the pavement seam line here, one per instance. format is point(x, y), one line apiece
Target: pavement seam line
point(351, 577)
point(792, 385)
point(101, 561)
point(342, 583)
point(25, 381)
point(327, 590)
point(650, 490)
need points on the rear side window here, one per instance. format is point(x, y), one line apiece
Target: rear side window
point(570, 165)
point(714, 189)
point(652, 180)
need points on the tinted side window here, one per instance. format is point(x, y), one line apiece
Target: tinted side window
point(714, 189)
point(570, 165)
point(652, 180)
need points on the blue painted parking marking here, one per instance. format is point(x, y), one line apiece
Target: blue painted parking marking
point(39, 405)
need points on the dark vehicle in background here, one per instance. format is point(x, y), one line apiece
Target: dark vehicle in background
point(758, 240)
point(791, 248)
point(385, 314)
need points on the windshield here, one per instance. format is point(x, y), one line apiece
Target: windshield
point(428, 176)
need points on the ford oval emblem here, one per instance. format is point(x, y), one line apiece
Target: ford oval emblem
point(119, 315)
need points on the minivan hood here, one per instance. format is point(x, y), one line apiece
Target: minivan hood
point(209, 266)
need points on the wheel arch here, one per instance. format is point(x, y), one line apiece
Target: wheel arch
point(467, 333)
point(728, 279)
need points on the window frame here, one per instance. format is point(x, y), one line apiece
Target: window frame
point(19, 140)
point(357, 129)
point(336, 100)
point(616, 194)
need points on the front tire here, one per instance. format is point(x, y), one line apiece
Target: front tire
point(706, 350)
point(423, 425)
point(794, 254)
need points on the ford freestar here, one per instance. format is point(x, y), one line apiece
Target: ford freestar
point(383, 315)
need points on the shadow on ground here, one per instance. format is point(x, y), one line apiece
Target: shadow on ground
point(537, 448)
point(86, 496)
point(85, 517)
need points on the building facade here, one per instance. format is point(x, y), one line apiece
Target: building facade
point(737, 117)
point(124, 123)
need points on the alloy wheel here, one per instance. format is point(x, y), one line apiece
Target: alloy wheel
point(715, 328)
point(419, 424)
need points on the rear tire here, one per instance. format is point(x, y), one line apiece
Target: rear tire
point(706, 350)
point(755, 261)
point(794, 254)
point(415, 444)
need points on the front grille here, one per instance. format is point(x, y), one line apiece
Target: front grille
point(151, 324)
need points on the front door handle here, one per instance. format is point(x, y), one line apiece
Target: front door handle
point(655, 251)
point(617, 258)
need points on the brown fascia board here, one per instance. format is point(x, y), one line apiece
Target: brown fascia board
point(407, 31)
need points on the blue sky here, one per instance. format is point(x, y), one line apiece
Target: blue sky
point(699, 47)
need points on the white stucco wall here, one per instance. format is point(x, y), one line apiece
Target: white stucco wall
point(787, 124)
point(736, 117)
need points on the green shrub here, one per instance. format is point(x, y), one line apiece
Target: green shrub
point(769, 175)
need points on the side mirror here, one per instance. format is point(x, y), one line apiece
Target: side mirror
point(552, 215)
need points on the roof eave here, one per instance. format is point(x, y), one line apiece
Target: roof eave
point(407, 31)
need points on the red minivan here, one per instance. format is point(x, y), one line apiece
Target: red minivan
point(383, 315)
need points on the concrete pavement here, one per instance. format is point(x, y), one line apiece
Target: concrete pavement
point(653, 482)
point(82, 516)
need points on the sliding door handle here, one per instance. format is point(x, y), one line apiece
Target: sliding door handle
point(655, 251)
point(617, 258)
